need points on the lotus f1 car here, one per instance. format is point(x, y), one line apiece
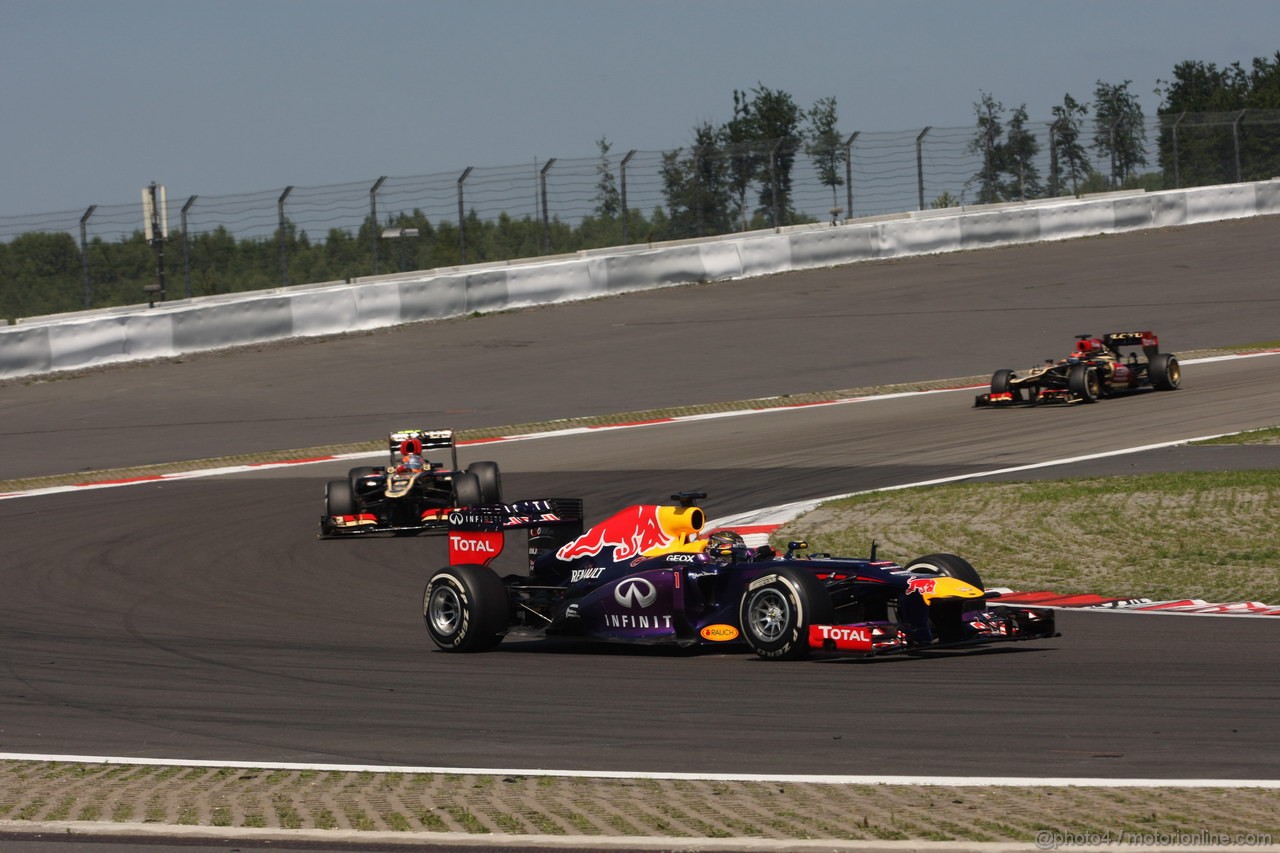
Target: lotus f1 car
point(1098, 367)
point(646, 575)
point(410, 494)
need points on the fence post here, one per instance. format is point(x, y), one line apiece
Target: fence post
point(1111, 144)
point(773, 183)
point(373, 216)
point(462, 219)
point(84, 253)
point(284, 249)
point(848, 172)
point(546, 219)
point(626, 213)
point(156, 229)
point(1235, 138)
point(186, 248)
point(1177, 175)
point(920, 164)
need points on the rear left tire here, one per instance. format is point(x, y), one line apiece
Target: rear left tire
point(465, 608)
point(1165, 372)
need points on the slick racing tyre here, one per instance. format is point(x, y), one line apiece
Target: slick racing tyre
point(1083, 383)
point(338, 498)
point(948, 565)
point(490, 481)
point(465, 608)
point(466, 490)
point(777, 609)
point(1001, 383)
point(945, 616)
point(355, 475)
point(1165, 372)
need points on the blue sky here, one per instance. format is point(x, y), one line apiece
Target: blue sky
point(226, 96)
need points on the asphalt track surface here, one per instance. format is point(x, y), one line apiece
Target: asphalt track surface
point(202, 619)
point(908, 320)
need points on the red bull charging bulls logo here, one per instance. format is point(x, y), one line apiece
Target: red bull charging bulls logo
point(629, 533)
point(924, 586)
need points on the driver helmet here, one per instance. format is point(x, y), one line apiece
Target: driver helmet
point(1087, 346)
point(724, 545)
point(413, 462)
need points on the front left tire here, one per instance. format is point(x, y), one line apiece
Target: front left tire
point(776, 611)
point(467, 490)
point(490, 481)
point(1084, 384)
point(1002, 383)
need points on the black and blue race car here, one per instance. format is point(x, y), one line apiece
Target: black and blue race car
point(650, 574)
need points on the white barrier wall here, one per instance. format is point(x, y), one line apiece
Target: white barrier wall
point(65, 342)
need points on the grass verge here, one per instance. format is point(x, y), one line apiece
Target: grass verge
point(1207, 535)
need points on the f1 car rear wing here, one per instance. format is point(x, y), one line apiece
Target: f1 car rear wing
point(429, 439)
point(478, 534)
point(1147, 340)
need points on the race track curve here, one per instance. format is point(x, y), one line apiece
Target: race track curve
point(202, 619)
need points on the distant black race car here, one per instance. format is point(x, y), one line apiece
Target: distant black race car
point(410, 494)
point(651, 575)
point(1098, 367)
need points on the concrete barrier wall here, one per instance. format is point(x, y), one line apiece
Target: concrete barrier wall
point(46, 344)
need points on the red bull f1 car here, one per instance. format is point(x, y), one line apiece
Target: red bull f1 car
point(1097, 367)
point(410, 494)
point(651, 575)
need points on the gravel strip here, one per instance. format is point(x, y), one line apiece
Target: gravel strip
point(35, 793)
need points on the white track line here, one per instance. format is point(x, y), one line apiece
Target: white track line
point(815, 778)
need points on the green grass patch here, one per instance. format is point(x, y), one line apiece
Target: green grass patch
point(1207, 535)
point(1269, 435)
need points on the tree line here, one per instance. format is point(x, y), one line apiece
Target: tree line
point(731, 177)
point(1192, 152)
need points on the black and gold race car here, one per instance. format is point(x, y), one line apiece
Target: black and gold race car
point(410, 494)
point(1097, 367)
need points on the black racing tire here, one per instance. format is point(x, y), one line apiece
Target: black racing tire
point(1083, 383)
point(465, 608)
point(1001, 383)
point(947, 565)
point(361, 472)
point(339, 499)
point(1165, 372)
point(490, 480)
point(946, 616)
point(777, 609)
point(466, 490)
